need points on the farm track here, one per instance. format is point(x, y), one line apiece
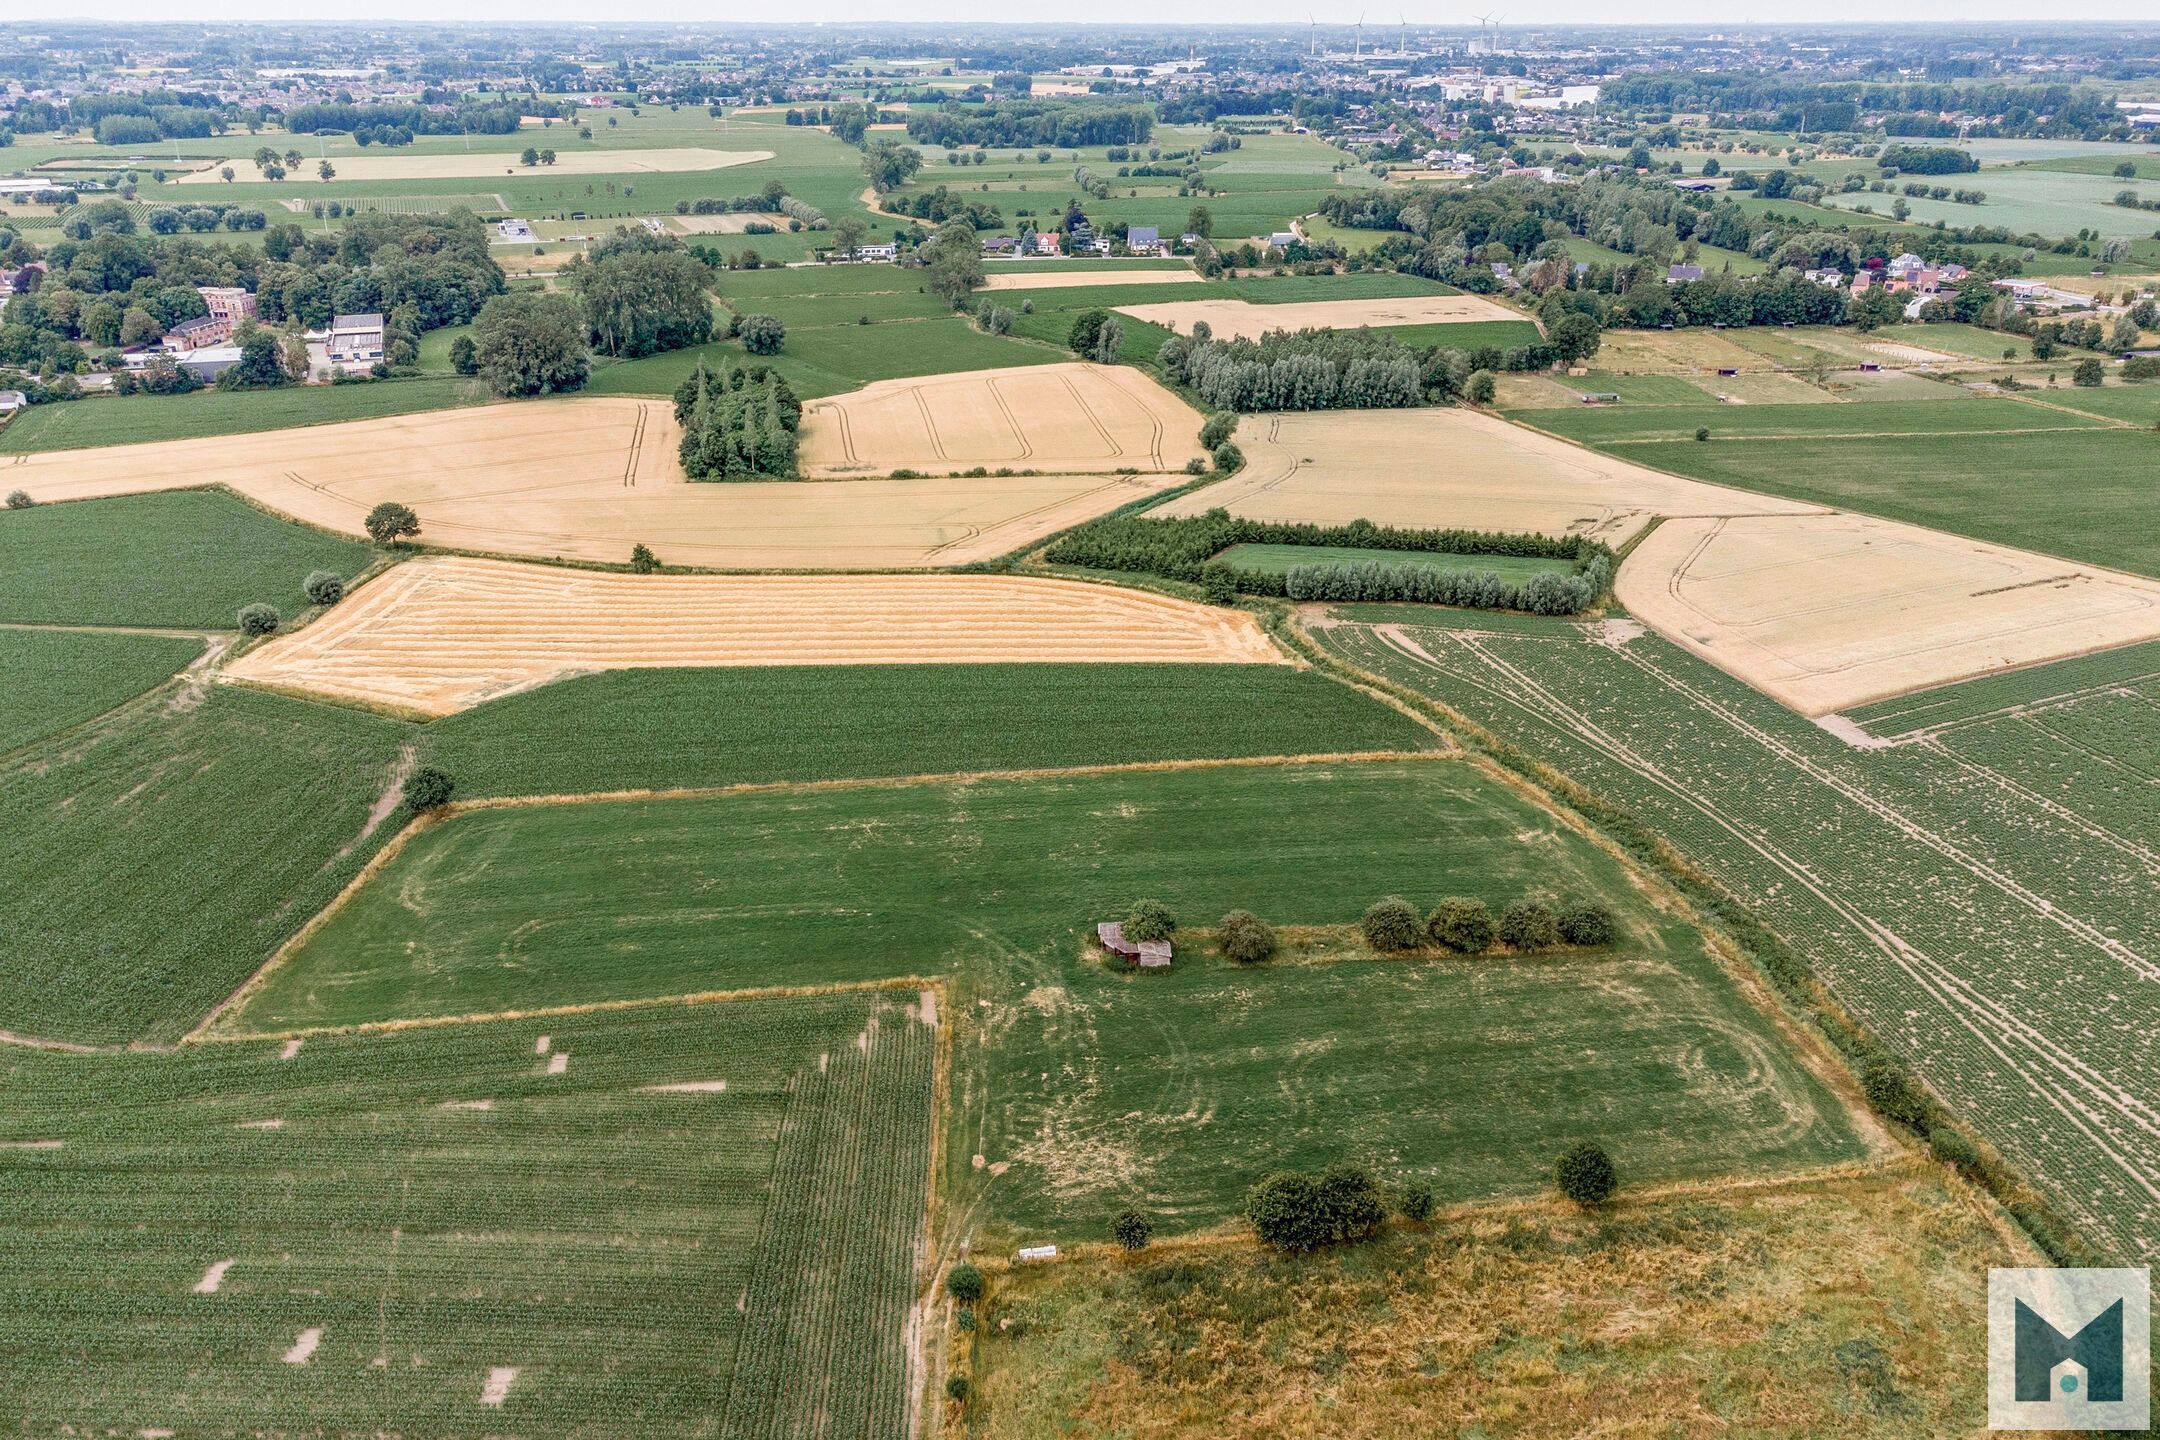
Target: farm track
point(2037, 1055)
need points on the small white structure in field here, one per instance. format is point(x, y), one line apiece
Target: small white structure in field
point(1037, 1254)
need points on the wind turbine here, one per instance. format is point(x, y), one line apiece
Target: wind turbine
point(1403, 46)
point(1482, 22)
point(1357, 47)
point(1312, 32)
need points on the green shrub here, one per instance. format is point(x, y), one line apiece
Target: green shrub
point(390, 522)
point(1149, 920)
point(1954, 1149)
point(643, 561)
point(427, 789)
point(1293, 1211)
point(1894, 1095)
point(1702, 432)
point(259, 619)
point(1228, 457)
point(19, 500)
point(1246, 939)
point(1460, 923)
point(1417, 1201)
point(1217, 428)
point(1219, 584)
point(1529, 925)
point(1586, 1174)
point(1194, 466)
point(964, 1283)
point(1392, 925)
point(1132, 1230)
point(1480, 388)
point(1086, 329)
point(323, 587)
point(762, 334)
point(957, 1388)
point(464, 356)
point(2088, 373)
point(1587, 923)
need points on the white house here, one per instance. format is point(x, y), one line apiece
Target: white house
point(356, 339)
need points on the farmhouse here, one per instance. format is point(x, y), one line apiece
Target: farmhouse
point(1143, 240)
point(11, 401)
point(356, 339)
point(1681, 274)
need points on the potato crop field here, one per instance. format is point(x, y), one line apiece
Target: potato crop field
point(994, 882)
point(58, 679)
point(653, 1220)
point(1981, 901)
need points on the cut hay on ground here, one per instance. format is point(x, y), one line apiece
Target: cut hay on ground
point(462, 165)
point(585, 479)
point(1450, 467)
point(1229, 318)
point(440, 634)
point(1087, 273)
point(1827, 611)
point(735, 222)
point(1064, 418)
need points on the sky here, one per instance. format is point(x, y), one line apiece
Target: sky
point(1548, 12)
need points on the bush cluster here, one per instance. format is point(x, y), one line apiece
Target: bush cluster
point(1466, 925)
point(737, 423)
point(1546, 594)
point(1295, 1211)
point(1297, 370)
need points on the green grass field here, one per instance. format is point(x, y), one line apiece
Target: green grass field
point(695, 728)
point(180, 558)
point(60, 678)
point(1277, 560)
point(136, 419)
point(159, 856)
point(1181, 1088)
point(435, 1206)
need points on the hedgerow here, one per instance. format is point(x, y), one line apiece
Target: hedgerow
point(1182, 549)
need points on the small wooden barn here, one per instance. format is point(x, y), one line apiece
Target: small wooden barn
point(1147, 954)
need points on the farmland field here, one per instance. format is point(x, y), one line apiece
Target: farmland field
point(137, 419)
point(158, 856)
point(185, 559)
point(440, 1209)
point(1998, 937)
point(1626, 1323)
point(58, 678)
point(438, 635)
point(994, 881)
point(851, 722)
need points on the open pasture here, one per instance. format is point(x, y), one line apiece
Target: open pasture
point(474, 165)
point(1435, 468)
point(996, 880)
point(1246, 320)
point(2002, 941)
point(1067, 418)
point(156, 856)
point(185, 560)
point(1830, 610)
point(140, 419)
point(440, 634)
point(442, 1232)
point(586, 479)
point(1085, 277)
point(60, 678)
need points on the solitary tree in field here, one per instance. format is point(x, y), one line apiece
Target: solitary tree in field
point(326, 170)
point(1132, 1230)
point(547, 157)
point(762, 334)
point(427, 789)
point(1586, 1174)
point(227, 173)
point(530, 157)
point(259, 619)
point(1246, 939)
point(391, 522)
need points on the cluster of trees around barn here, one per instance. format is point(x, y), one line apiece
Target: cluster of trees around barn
point(738, 422)
point(1186, 549)
point(1067, 124)
point(942, 204)
point(1300, 370)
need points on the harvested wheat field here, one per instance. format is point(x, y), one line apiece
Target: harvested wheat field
point(443, 633)
point(1451, 467)
point(462, 165)
point(1228, 318)
point(1074, 417)
point(1831, 610)
point(585, 479)
point(1089, 273)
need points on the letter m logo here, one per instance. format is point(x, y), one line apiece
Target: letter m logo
point(2098, 1348)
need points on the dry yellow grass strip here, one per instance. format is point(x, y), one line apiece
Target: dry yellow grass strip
point(1086, 273)
point(1243, 318)
point(1065, 418)
point(438, 635)
point(585, 479)
point(464, 165)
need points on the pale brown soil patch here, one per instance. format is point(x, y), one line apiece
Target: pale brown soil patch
point(1086, 273)
point(1243, 318)
point(214, 1277)
point(292, 1048)
point(440, 634)
point(463, 165)
point(498, 1383)
point(1450, 467)
point(304, 1346)
point(1828, 611)
point(1066, 418)
point(585, 479)
point(557, 1063)
point(688, 1087)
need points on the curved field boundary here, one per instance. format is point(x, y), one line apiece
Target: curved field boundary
point(440, 634)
